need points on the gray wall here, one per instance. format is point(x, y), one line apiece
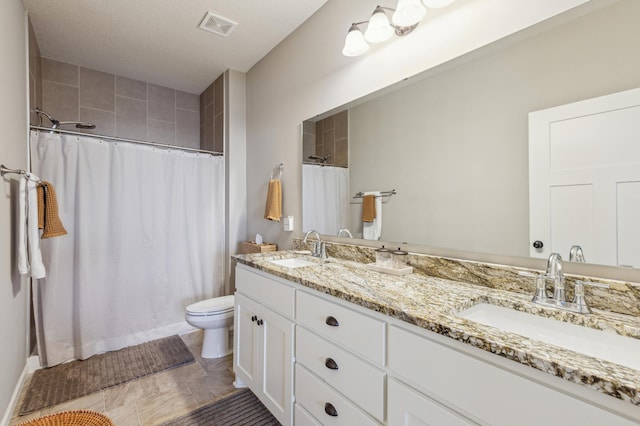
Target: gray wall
point(455, 144)
point(13, 154)
point(294, 83)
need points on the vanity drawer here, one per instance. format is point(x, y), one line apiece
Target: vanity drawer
point(360, 333)
point(319, 399)
point(268, 291)
point(354, 378)
point(301, 417)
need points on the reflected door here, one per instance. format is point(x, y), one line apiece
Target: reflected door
point(584, 179)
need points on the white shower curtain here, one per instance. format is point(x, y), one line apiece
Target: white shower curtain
point(325, 195)
point(146, 238)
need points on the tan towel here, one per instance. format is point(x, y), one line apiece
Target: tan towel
point(273, 210)
point(368, 208)
point(48, 218)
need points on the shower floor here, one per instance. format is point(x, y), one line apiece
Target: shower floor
point(157, 398)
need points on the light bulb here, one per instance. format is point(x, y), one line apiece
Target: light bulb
point(408, 13)
point(354, 44)
point(379, 29)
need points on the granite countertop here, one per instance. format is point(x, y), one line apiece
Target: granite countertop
point(432, 303)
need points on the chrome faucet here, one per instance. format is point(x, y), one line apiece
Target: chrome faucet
point(559, 299)
point(345, 231)
point(554, 272)
point(576, 254)
point(318, 248)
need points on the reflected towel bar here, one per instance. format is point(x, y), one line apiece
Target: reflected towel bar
point(382, 194)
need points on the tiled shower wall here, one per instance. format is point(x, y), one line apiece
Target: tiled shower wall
point(119, 106)
point(212, 116)
point(329, 136)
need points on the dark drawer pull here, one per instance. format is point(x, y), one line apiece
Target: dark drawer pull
point(330, 409)
point(254, 318)
point(330, 364)
point(332, 321)
point(260, 322)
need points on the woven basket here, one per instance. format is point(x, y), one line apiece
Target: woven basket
point(71, 418)
point(251, 247)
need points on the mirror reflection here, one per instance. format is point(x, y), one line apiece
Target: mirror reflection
point(454, 141)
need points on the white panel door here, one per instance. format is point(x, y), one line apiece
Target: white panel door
point(276, 364)
point(579, 154)
point(629, 224)
point(245, 351)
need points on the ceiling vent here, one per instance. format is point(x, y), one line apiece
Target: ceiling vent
point(217, 24)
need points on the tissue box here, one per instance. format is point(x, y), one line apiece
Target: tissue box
point(253, 247)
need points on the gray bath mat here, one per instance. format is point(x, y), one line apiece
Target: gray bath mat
point(239, 409)
point(51, 386)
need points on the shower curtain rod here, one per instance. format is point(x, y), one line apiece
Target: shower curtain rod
point(113, 138)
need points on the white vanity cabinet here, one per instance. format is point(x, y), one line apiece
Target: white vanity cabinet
point(263, 343)
point(459, 378)
point(354, 366)
point(340, 353)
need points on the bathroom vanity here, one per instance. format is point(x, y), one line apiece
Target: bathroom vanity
point(330, 342)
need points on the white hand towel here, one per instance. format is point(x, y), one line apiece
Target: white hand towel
point(23, 256)
point(33, 233)
point(373, 230)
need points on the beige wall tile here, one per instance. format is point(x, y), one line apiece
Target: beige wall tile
point(97, 90)
point(208, 95)
point(161, 131)
point(218, 94)
point(342, 125)
point(188, 128)
point(208, 129)
point(218, 133)
point(329, 145)
point(187, 101)
point(105, 121)
point(60, 72)
point(131, 88)
point(342, 153)
point(131, 118)
point(162, 103)
point(60, 101)
point(203, 109)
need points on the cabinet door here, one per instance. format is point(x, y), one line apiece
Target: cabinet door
point(245, 351)
point(410, 408)
point(276, 364)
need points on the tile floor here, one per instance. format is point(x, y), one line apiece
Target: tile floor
point(154, 399)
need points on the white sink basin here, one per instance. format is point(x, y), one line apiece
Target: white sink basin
point(294, 262)
point(596, 343)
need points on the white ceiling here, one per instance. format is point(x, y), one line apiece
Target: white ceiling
point(159, 40)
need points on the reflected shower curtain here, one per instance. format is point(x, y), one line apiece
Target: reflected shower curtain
point(146, 238)
point(325, 198)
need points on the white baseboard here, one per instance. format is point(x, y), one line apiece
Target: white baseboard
point(6, 418)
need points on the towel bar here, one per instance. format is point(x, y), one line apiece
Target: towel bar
point(382, 194)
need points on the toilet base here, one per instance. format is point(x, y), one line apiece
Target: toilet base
point(215, 343)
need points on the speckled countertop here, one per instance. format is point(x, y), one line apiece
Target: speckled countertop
point(432, 303)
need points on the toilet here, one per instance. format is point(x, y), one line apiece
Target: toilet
point(214, 316)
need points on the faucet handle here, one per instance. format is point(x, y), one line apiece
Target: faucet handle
point(592, 284)
point(579, 302)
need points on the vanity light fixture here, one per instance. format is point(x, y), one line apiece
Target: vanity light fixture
point(406, 17)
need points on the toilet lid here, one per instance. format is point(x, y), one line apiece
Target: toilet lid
point(216, 304)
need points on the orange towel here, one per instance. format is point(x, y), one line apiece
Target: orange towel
point(273, 209)
point(48, 218)
point(368, 208)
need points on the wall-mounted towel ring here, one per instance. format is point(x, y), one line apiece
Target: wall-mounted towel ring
point(276, 173)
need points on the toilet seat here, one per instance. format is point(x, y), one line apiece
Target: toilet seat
point(214, 306)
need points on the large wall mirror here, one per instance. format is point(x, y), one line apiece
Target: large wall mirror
point(453, 142)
